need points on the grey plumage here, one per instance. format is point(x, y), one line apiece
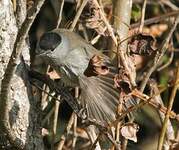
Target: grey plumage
point(69, 55)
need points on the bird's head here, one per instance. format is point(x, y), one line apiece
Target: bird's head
point(53, 45)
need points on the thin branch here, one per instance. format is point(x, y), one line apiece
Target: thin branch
point(168, 62)
point(121, 52)
point(110, 138)
point(142, 16)
point(48, 115)
point(93, 147)
point(67, 130)
point(156, 19)
point(84, 2)
point(110, 29)
point(170, 4)
point(161, 51)
point(60, 13)
point(11, 67)
point(63, 91)
point(75, 121)
point(146, 100)
point(55, 119)
point(96, 38)
point(167, 116)
point(170, 134)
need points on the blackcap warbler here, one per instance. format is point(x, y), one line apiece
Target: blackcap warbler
point(71, 56)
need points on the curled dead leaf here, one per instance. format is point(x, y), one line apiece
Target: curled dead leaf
point(122, 81)
point(92, 19)
point(96, 67)
point(142, 44)
point(129, 131)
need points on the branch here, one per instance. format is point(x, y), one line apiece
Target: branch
point(109, 28)
point(55, 120)
point(11, 67)
point(161, 51)
point(156, 19)
point(167, 116)
point(142, 16)
point(170, 134)
point(60, 13)
point(84, 2)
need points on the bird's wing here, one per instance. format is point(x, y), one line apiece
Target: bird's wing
point(99, 96)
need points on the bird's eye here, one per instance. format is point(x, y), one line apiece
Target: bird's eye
point(49, 41)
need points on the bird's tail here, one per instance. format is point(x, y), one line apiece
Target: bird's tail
point(100, 97)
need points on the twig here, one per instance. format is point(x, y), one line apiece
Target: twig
point(124, 144)
point(55, 119)
point(93, 147)
point(161, 51)
point(49, 114)
point(110, 29)
point(74, 131)
point(45, 91)
point(170, 4)
point(142, 16)
point(67, 130)
point(95, 39)
point(146, 100)
point(168, 62)
point(156, 19)
point(63, 91)
point(110, 138)
point(84, 2)
point(11, 67)
point(170, 134)
point(60, 13)
point(171, 100)
point(75, 121)
point(14, 2)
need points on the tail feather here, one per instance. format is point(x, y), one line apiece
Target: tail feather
point(100, 99)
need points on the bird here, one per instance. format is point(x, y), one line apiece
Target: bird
point(79, 64)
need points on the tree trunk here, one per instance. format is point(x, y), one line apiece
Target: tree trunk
point(23, 108)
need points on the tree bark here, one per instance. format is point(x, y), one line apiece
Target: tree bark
point(24, 114)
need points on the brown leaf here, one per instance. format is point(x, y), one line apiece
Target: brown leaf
point(96, 67)
point(142, 44)
point(92, 19)
point(129, 131)
point(122, 82)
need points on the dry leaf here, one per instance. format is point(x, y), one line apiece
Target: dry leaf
point(142, 44)
point(92, 19)
point(121, 81)
point(129, 131)
point(96, 67)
